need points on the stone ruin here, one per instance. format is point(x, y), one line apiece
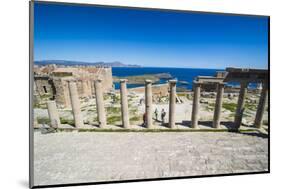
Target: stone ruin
point(53, 81)
point(243, 76)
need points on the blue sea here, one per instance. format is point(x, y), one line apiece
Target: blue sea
point(181, 74)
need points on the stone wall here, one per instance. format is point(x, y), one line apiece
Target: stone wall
point(55, 83)
point(43, 85)
point(62, 93)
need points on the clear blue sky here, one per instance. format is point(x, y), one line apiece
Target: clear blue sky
point(149, 38)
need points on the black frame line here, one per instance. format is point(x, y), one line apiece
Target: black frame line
point(31, 79)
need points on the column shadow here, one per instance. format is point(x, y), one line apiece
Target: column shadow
point(208, 124)
point(256, 134)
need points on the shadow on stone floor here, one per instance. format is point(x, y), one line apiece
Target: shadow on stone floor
point(256, 134)
point(208, 124)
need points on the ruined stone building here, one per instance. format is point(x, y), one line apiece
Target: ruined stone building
point(53, 81)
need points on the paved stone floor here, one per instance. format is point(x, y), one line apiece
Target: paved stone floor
point(77, 157)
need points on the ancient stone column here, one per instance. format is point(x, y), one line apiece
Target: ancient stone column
point(35, 122)
point(53, 114)
point(148, 103)
point(240, 104)
point(89, 83)
point(86, 89)
point(172, 106)
point(93, 87)
point(75, 103)
point(218, 105)
point(100, 103)
point(261, 105)
point(195, 106)
point(124, 103)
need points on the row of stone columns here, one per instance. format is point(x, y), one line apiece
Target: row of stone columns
point(241, 104)
point(76, 108)
point(196, 103)
point(78, 118)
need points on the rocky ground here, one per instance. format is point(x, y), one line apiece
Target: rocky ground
point(77, 157)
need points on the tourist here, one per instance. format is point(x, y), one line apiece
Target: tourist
point(156, 114)
point(144, 119)
point(163, 114)
point(141, 101)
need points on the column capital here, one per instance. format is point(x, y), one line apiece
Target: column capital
point(71, 81)
point(221, 84)
point(196, 84)
point(123, 80)
point(98, 80)
point(148, 81)
point(173, 81)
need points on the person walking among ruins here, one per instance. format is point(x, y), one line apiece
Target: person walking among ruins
point(141, 101)
point(156, 114)
point(163, 114)
point(144, 119)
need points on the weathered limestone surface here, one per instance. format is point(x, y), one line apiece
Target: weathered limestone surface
point(262, 105)
point(62, 95)
point(195, 106)
point(75, 103)
point(240, 104)
point(124, 103)
point(172, 105)
point(35, 122)
point(218, 106)
point(86, 89)
point(50, 80)
point(93, 87)
point(148, 103)
point(87, 157)
point(53, 114)
point(100, 103)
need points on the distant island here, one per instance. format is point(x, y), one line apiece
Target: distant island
point(80, 63)
point(139, 79)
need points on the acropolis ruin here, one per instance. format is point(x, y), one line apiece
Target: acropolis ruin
point(66, 86)
point(53, 80)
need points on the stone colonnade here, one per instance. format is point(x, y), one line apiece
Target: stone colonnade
point(78, 118)
point(196, 102)
point(240, 105)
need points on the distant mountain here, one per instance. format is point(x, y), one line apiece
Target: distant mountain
point(79, 63)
